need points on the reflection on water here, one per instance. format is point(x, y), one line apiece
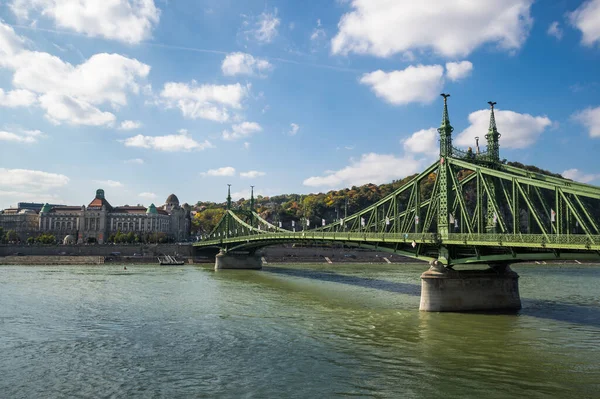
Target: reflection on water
point(290, 331)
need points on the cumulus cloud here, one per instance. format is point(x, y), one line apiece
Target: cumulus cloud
point(577, 175)
point(421, 83)
point(31, 180)
point(244, 64)
point(424, 141)
point(241, 130)
point(586, 18)
point(23, 136)
point(371, 168)
point(224, 171)
point(109, 183)
point(64, 108)
point(590, 118)
point(293, 129)
point(458, 70)
point(555, 30)
point(17, 98)
point(68, 93)
point(251, 174)
point(212, 102)
point(169, 143)
point(449, 27)
point(129, 21)
point(130, 125)
point(517, 130)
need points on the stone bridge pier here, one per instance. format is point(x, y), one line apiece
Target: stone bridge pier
point(228, 260)
point(447, 290)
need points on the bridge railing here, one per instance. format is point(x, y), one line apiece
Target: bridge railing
point(577, 240)
point(511, 239)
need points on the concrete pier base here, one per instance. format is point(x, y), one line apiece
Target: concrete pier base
point(444, 290)
point(237, 261)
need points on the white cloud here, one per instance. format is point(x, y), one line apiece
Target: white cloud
point(247, 145)
point(517, 130)
point(590, 118)
point(64, 108)
point(448, 27)
point(244, 64)
point(129, 21)
point(266, 27)
point(130, 125)
point(17, 98)
point(109, 183)
point(371, 168)
point(169, 143)
point(424, 141)
point(555, 30)
point(421, 83)
point(136, 161)
point(241, 130)
point(251, 174)
point(318, 33)
point(577, 175)
point(293, 129)
point(69, 94)
point(586, 18)
point(224, 171)
point(147, 195)
point(31, 180)
point(458, 70)
point(24, 136)
point(211, 102)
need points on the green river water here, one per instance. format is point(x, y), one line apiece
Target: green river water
point(289, 331)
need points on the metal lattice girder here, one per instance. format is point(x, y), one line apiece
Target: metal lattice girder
point(484, 211)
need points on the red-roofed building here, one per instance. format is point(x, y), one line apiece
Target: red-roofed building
point(100, 220)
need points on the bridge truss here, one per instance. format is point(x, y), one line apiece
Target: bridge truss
point(467, 207)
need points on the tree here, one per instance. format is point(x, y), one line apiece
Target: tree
point(11, 236)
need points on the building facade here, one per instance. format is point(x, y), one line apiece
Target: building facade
point(98, 221)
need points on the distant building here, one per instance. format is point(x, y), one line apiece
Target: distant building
point(97, 221)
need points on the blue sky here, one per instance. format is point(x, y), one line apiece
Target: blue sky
point(144, 98)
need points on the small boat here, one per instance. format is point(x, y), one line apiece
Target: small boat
point(169, 260)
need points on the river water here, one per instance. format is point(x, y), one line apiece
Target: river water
point(289, 331)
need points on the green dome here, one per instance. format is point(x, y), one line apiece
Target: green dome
point(46, 208)
point(151, 209)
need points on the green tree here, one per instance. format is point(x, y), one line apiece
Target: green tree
point(11, 236)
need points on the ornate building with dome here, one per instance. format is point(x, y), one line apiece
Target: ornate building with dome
point(98, 221)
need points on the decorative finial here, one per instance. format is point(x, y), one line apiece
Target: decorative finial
point(445, 130)
point(493, 136)
point(252, 198)
point(228, 196)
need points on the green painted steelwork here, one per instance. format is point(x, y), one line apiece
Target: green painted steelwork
point(484, 212)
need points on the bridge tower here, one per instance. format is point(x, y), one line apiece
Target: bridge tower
point(445, 130)
point(493, 151)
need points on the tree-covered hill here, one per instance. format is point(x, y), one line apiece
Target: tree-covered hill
point(330, 206)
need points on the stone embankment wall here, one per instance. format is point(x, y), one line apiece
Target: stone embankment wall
point(52, 260)
point(151, 250)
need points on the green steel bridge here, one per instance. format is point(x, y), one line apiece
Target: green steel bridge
point(477, 210)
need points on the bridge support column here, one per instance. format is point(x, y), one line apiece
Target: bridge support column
point(444, 290)
point(237, 261)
